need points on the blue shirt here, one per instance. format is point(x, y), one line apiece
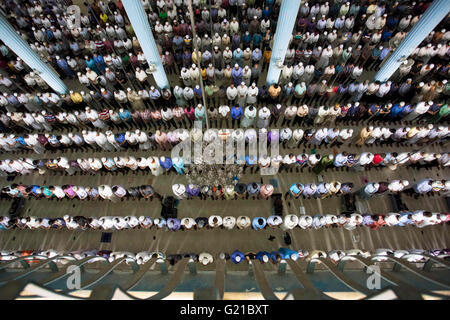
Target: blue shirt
point(287, 253)
point(261, 254)
point(166, 164)
point(246, 38)
point(396, 110)
point(21, 140)
point(257, 38)
point(407, 110)
point(36, 190)
point(257, 225)
point(120, 138)
point(256, 55)
point(251, 189)
point(125, 115)
point(386, 36)
point(235, 254)
point(198, 91)
point(236, 113)
point(384, 53)
point(250, 160)
point(295, 190)
point(154, 94)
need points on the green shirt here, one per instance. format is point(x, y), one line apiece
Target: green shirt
point(163, 15)
point(444, 111)
point(209, 90)
point(129, 30)
point(126, 60)
point(299, 90)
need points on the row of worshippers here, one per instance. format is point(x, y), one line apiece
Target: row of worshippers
point(418, 218)
point(205, 258)
point(315, 162)
point(254, 190)
point(118, 32)
point(102, 192)
point(135, 140)
point(176, 116)
point(423, 187)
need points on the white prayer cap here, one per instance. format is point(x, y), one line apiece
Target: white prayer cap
point(265, 258)
point(430, 103)
point(294, 257)
point(376, 185)
point(405, 182)
point(421, 84)
point(238, 258)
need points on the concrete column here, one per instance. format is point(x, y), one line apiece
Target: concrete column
point(21, 48)
point(429, 20)
point(286, 22)
point(141, 27)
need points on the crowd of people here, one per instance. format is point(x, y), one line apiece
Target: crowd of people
point(418, 218)
point(234, 191)
point(102, 192)
point(335, 40)
point(237, 115)
point(287, 138)
point(216, 68)
point(205, 258)
point(315, 162)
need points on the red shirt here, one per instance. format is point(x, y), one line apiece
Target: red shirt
point(377, 159)
point(190, 113)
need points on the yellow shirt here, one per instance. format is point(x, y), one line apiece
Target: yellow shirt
point(267, 55)
point(203, 73)
point(412, 132)
point(195, 59)
point(371, 9)
point(76, 97)
point(104, 17)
